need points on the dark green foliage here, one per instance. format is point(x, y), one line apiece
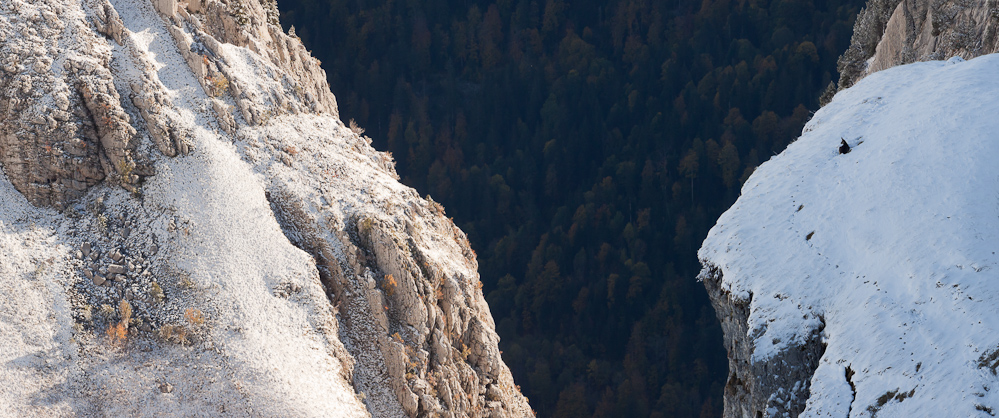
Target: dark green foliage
point(585, 147)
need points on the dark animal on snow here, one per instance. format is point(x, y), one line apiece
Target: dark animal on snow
point(844, 148)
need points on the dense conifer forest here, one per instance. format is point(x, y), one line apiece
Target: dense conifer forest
point(586, 147)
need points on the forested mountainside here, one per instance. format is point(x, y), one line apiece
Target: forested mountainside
point(585, 147)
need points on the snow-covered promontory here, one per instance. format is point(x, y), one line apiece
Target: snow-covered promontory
point(867, 283)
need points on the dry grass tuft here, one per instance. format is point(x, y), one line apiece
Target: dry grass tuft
point(176, 334)
point(218, 85)
point(355, 128)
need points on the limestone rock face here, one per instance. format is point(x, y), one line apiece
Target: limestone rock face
point(62, 126)
point(895, 32)
point(299, 81)
point(778, 387)
point(200, 233)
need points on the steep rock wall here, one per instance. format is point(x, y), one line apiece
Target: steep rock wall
point(895, 32)
point(62, 126)
point(778, 386)
point(270, 261)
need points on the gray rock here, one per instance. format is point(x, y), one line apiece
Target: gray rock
point(86, 249)
point(116, 269)
point(493, 393)
point(91, 124)
point(116, 256)
point(88, 273)
point(497, 410)
point(98, 279)
point(166, 388)
point(893, 32)
point(94, 255)
point(780, 384)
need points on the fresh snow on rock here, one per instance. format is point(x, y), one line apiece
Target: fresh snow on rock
point(307, 281)
point(890, 247)
point(263, 355)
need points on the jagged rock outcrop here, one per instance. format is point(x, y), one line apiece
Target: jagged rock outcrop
point(895, 32)
point(205, 236)
point(296, 82)
point(62, 127)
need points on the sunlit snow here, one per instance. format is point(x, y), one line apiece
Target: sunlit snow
point(893, 244)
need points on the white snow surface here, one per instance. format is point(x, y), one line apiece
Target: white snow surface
point(893, 244)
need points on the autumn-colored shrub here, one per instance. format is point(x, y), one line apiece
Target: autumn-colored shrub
point(218, 85)
point(194, 317)
point(389, 284)
point(118, 333)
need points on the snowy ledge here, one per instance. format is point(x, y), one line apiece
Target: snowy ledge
point(889, 250)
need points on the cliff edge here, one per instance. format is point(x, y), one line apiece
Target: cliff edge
point(845, 324)
point(186, 229)
point(855, 276)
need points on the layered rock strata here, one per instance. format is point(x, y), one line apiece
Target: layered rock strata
point(895, 32)
point(62, 126)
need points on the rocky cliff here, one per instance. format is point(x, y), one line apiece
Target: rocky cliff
point(853, 277)
point(895, 32)
point(186, 228)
